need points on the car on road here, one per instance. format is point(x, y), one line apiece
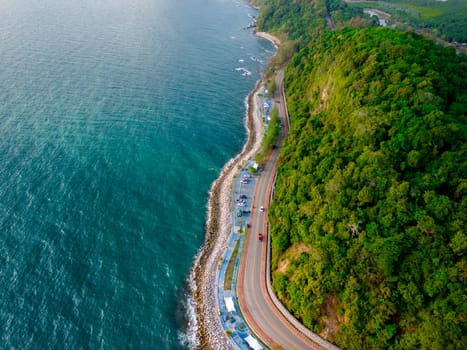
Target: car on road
point(261, 209)
point(260, 237)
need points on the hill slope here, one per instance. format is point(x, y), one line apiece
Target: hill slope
point(369, 215)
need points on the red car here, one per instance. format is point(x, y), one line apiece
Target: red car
point(260, 237)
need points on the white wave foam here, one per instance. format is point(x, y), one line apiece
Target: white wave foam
point(244, 71)
point(256, 59)
point(189, 338)
point(227, 173)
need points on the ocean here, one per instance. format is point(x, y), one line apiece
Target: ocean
point(115, 118)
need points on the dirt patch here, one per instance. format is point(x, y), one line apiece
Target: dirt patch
point(300, 248)
point(283, 265)
point(290, 254)
point(331, 319)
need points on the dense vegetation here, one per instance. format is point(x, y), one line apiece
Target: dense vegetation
point(369, 216)
point(445, 19)
point(301, 20)
point(271, 135)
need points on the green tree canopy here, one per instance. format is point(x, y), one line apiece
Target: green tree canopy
point(370, 208)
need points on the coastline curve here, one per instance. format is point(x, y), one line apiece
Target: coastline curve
point(206, 322)
point(202, 276)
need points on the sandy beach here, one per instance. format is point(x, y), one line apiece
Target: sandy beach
point(203, 276)
point(269, 37)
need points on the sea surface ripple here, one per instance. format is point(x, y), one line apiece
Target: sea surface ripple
point(115, 118)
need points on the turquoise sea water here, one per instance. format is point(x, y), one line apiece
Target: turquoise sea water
point(115, 118)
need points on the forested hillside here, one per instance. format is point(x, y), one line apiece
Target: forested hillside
point(369, 214)
point(301, 20)
point(298, 19)
point(444, 19)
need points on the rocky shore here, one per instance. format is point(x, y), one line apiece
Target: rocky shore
point(210, 332)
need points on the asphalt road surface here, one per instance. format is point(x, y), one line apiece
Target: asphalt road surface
point(258, 309)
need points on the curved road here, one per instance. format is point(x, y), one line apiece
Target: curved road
point(258, 309)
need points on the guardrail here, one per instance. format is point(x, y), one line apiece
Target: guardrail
point(293, 321)
point(290, 318)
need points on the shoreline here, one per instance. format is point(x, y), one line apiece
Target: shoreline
point(202, 278)
point(210, 333)
point(275, 40)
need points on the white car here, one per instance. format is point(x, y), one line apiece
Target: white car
point(262, 208)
